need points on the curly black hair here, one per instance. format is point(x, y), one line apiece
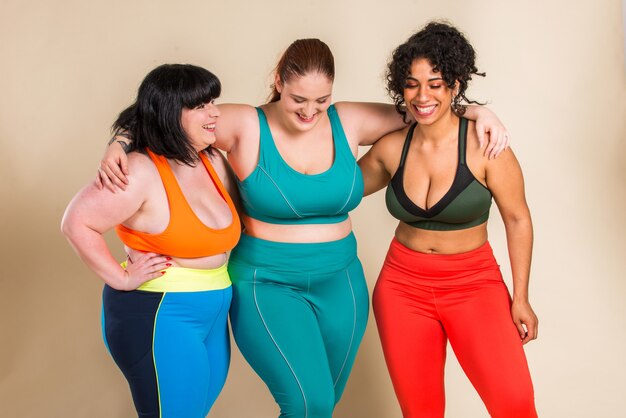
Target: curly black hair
point(448, 52)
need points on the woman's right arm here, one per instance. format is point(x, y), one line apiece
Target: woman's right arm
point(89, 215)
point(234, 122)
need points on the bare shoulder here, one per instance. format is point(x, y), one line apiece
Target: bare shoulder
point(142, 170)
point(139, 160)
point(393, 141)
point(238, 117)
point(475, 155)
point(236, 126)
point(243, 111)
point(388, 149)
point(236, 122)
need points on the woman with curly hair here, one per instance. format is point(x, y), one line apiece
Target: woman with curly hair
point(440, 281)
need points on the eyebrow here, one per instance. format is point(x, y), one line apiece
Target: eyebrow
point(295, 96)
point(430, 79)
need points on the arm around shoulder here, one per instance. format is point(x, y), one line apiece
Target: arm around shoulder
point(235, 123)
point(368, 122)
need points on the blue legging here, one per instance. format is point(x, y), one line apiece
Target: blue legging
point(172, 347)
point(299, 312)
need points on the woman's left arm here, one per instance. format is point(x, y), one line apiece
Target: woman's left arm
point(505, 180)
point(366, 123)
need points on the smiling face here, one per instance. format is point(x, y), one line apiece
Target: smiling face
point(199, 124)
point(304, 99)
point(427, 96)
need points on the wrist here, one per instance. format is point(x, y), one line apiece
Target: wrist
point(121, 281)
point(122, 141)
point(523, 298)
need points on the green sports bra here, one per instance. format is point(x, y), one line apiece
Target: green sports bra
point(465, 204)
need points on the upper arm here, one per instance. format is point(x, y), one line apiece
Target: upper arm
point(365, 123)
point(505, 180)
point(377, 164)
point(236, 121)
point(100, 209)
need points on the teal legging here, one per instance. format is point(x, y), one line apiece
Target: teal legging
point(298, 315)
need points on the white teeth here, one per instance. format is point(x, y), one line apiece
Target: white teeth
point(425, 109)
point(305, 117)
point(209, 126)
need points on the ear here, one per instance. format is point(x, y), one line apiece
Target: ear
point(278, 84)
point(455, 89)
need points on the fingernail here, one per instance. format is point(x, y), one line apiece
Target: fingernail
point(168, 265)
point(162, 273)
point(168, 258)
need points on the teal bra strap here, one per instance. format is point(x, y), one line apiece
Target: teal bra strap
point(339, 135)
point(265, 136)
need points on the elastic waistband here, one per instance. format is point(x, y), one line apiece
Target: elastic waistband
point(295, 257)
point(441, 266)
point(181, 279)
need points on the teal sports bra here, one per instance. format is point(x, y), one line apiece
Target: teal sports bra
point(276, 193)
point(465, 204)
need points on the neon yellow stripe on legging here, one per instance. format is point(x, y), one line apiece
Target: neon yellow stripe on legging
point(181, 279)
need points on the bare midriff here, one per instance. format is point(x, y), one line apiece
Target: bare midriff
point(302, 233)
point(441, 242)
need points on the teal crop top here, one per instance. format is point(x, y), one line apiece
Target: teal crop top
point(276, 193)
point(465, 204)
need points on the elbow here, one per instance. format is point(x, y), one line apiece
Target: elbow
point(518, 222)
point(69, 226)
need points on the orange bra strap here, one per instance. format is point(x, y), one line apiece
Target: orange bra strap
point(215, 178)
point(172, 189)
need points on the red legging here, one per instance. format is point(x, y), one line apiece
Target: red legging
point(421, 301)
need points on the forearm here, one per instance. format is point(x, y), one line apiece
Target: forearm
point(123, 139)
point(472, 112)
point(519, 233)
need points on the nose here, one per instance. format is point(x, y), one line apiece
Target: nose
point(214, 111)
point(309, 109)
point(422, 94)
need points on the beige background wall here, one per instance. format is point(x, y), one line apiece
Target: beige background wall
point(555, 77)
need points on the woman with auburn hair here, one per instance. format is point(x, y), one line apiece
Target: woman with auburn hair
point(165, 310)
point(440, 281)
point(300, 301)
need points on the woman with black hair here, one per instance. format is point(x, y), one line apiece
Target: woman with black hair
point(165, 311)
point(440, 281)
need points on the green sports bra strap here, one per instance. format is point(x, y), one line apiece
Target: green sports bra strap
point(462, 141)
point(407, 144)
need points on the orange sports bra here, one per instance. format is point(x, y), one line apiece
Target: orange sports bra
point(185, 236)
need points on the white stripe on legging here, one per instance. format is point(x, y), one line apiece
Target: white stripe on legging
point(258, 309)
point(345, 360)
